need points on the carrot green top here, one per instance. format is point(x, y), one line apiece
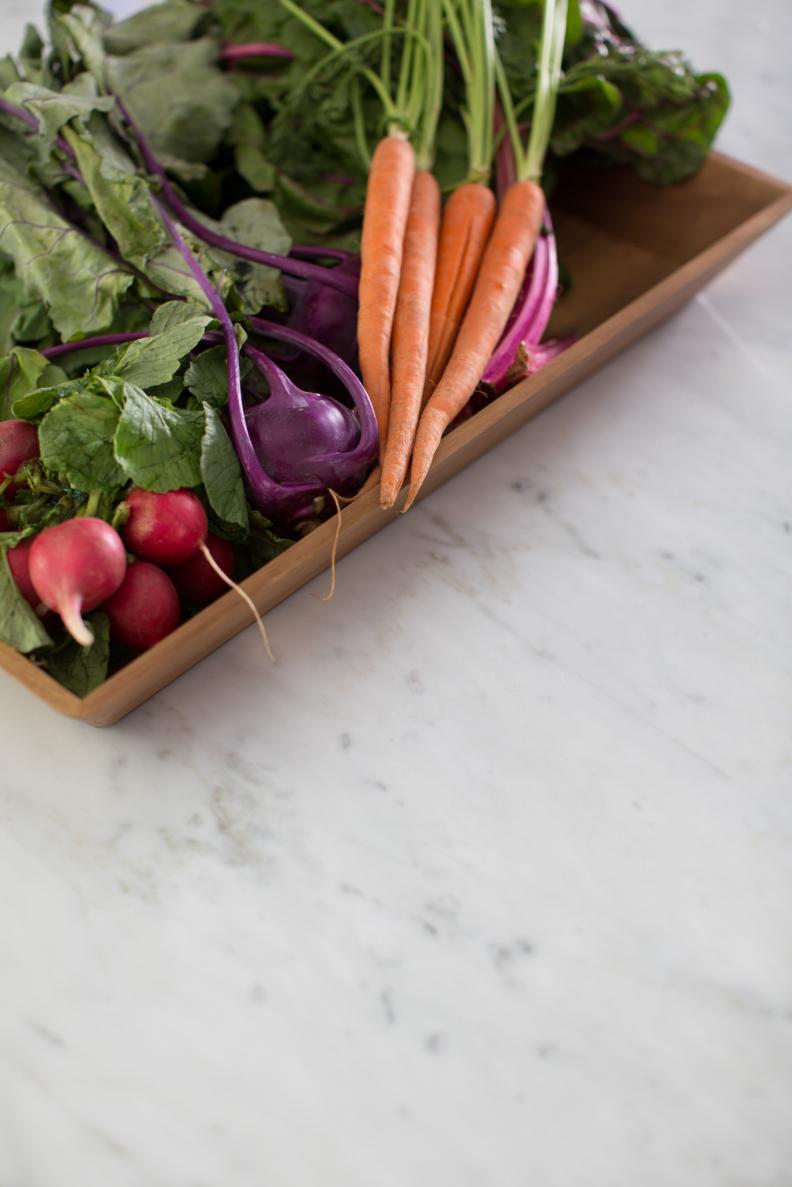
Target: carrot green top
point(530, 160)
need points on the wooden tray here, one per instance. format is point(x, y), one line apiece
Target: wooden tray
point(637, 253)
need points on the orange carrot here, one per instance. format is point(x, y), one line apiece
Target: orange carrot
point(502, 271)
point(387, 204)
point(466, 226)
point(410, 339)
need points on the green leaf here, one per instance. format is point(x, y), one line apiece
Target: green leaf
point(175, 20)
point(19, 626)
point(250, 149)
point(80, 284)
point(168, 269)
point(82, 669)
point(32, 56)
point(158, 447)
point(172, 314)
point(154, 360)
point(207, 376)
point(53, 109)
point(256, 223)
point(36, 403)
point(76, 441)
point(183, 101)
point(22, 318)
point(221, 472)
point(23, 371)
point(81, 30)
point(121, 195)
point(262, 544)
point(586, 107)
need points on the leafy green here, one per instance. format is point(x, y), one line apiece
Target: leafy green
point(158, 446)
point(175, 20)
point(249, 138)
point(179, 96)
point(617, 99)
point(79, 282)
point(82, 669)
point(176, 328)
point(19, 626)
point(76, 442)
point(207, 376)
point(221, 472)
point(23, 371)
point(120, 193)
point(256, 223)
point(262, 543)
point(41, 399)
point(53, 109)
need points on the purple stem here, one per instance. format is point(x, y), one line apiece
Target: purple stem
point(54, 352)
point(19, 113)
point(306, 251)
point(617, 129)
point(281, 501)
point(532, 310)
point(328, 276)
point(255, 49)
point(366, 449)
point(31, 121)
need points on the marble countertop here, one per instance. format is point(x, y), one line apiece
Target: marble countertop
point(487, 882)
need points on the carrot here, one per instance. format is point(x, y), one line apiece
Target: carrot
point(507, 254)
point(385, 214)
point(467, 223)
point(502, 270)
point(410, 339)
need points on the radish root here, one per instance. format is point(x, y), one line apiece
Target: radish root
point(212, 563)
point(336, 537)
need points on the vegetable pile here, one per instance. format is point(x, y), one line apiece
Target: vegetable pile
point(255, 258)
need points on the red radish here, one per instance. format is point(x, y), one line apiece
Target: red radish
point(74, 567)
point(165, 528)
point(19, 564)
point(145, 609)
point(197, 583)
point(18, 444)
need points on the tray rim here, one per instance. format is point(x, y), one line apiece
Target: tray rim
point(271, 584)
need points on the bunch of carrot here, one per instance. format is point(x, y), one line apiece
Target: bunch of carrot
point(439, 348)
point(436, 293)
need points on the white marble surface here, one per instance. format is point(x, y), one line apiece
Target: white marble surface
point(487, 883)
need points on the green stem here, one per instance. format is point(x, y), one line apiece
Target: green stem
point(406, 67)
point(338, 47)
point(509, 116)
point(551, 52)
point(359, 126)
point(387, 27)
point(471, 27)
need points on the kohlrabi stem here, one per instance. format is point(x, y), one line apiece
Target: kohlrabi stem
point(264, 490)
point(255, 49)
point(19, 113)
point(306, 271)
point(532, 309)
point(31, 121)
point(310, 251)
point(54, 352)
point(367, 445)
